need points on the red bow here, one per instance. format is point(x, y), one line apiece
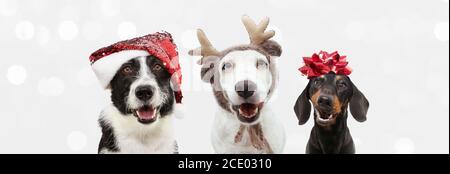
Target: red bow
point(324, 63)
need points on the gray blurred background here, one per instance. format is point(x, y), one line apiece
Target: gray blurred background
point(398, 49)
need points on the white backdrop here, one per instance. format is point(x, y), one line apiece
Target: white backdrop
point(399, 50)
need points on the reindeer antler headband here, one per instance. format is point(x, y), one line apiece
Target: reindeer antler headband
point(259, 40)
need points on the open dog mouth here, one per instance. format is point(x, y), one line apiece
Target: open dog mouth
point(325, 118)
point(248, 112)
point(146, 114)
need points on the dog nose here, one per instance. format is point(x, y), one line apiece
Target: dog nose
point(144, 93)
point(324, 101)
point(245, 88)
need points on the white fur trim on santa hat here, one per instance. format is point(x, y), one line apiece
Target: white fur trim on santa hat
point(180, 111)
point(106, 67)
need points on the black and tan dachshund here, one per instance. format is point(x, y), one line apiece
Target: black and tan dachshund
point(331, 95)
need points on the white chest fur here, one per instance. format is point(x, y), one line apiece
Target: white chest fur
point(134, 137)
point(227, 125)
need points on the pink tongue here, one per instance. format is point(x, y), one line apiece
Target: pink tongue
point(146, 113)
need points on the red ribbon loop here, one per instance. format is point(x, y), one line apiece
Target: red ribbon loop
point(324, 63)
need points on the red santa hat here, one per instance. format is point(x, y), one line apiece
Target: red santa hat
point(107, 61)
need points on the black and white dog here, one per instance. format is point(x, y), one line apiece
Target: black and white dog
point(144, 77)
point(138, 121)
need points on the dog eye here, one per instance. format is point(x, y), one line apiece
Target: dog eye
point(341, 85)
point(261, 64)
point(127, 70)
point(157, 67)
point(226, 66)
point(317, 82)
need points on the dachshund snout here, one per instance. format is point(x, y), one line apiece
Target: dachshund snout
point(325, 101)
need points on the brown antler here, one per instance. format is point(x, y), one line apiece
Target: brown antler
point(257, 33)
point(206, 48)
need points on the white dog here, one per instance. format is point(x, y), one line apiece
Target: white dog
point(243, 79)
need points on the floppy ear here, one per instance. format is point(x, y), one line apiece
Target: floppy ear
point(358, 105)
point(302, 107)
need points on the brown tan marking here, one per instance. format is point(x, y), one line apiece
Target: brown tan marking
point(336, 105)
point(314, 97)
point(257, 138)
point(222, 100)
point(239, 134)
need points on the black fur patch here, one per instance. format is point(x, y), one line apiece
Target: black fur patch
point(108, 140)
point(163, 79)
point(120, 85)
point(120, 89)
point(333, 138)
point(328, 85)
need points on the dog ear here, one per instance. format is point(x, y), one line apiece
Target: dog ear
point(302, 107)
point(358, 105)
point(272, 47)
point(208, 65)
